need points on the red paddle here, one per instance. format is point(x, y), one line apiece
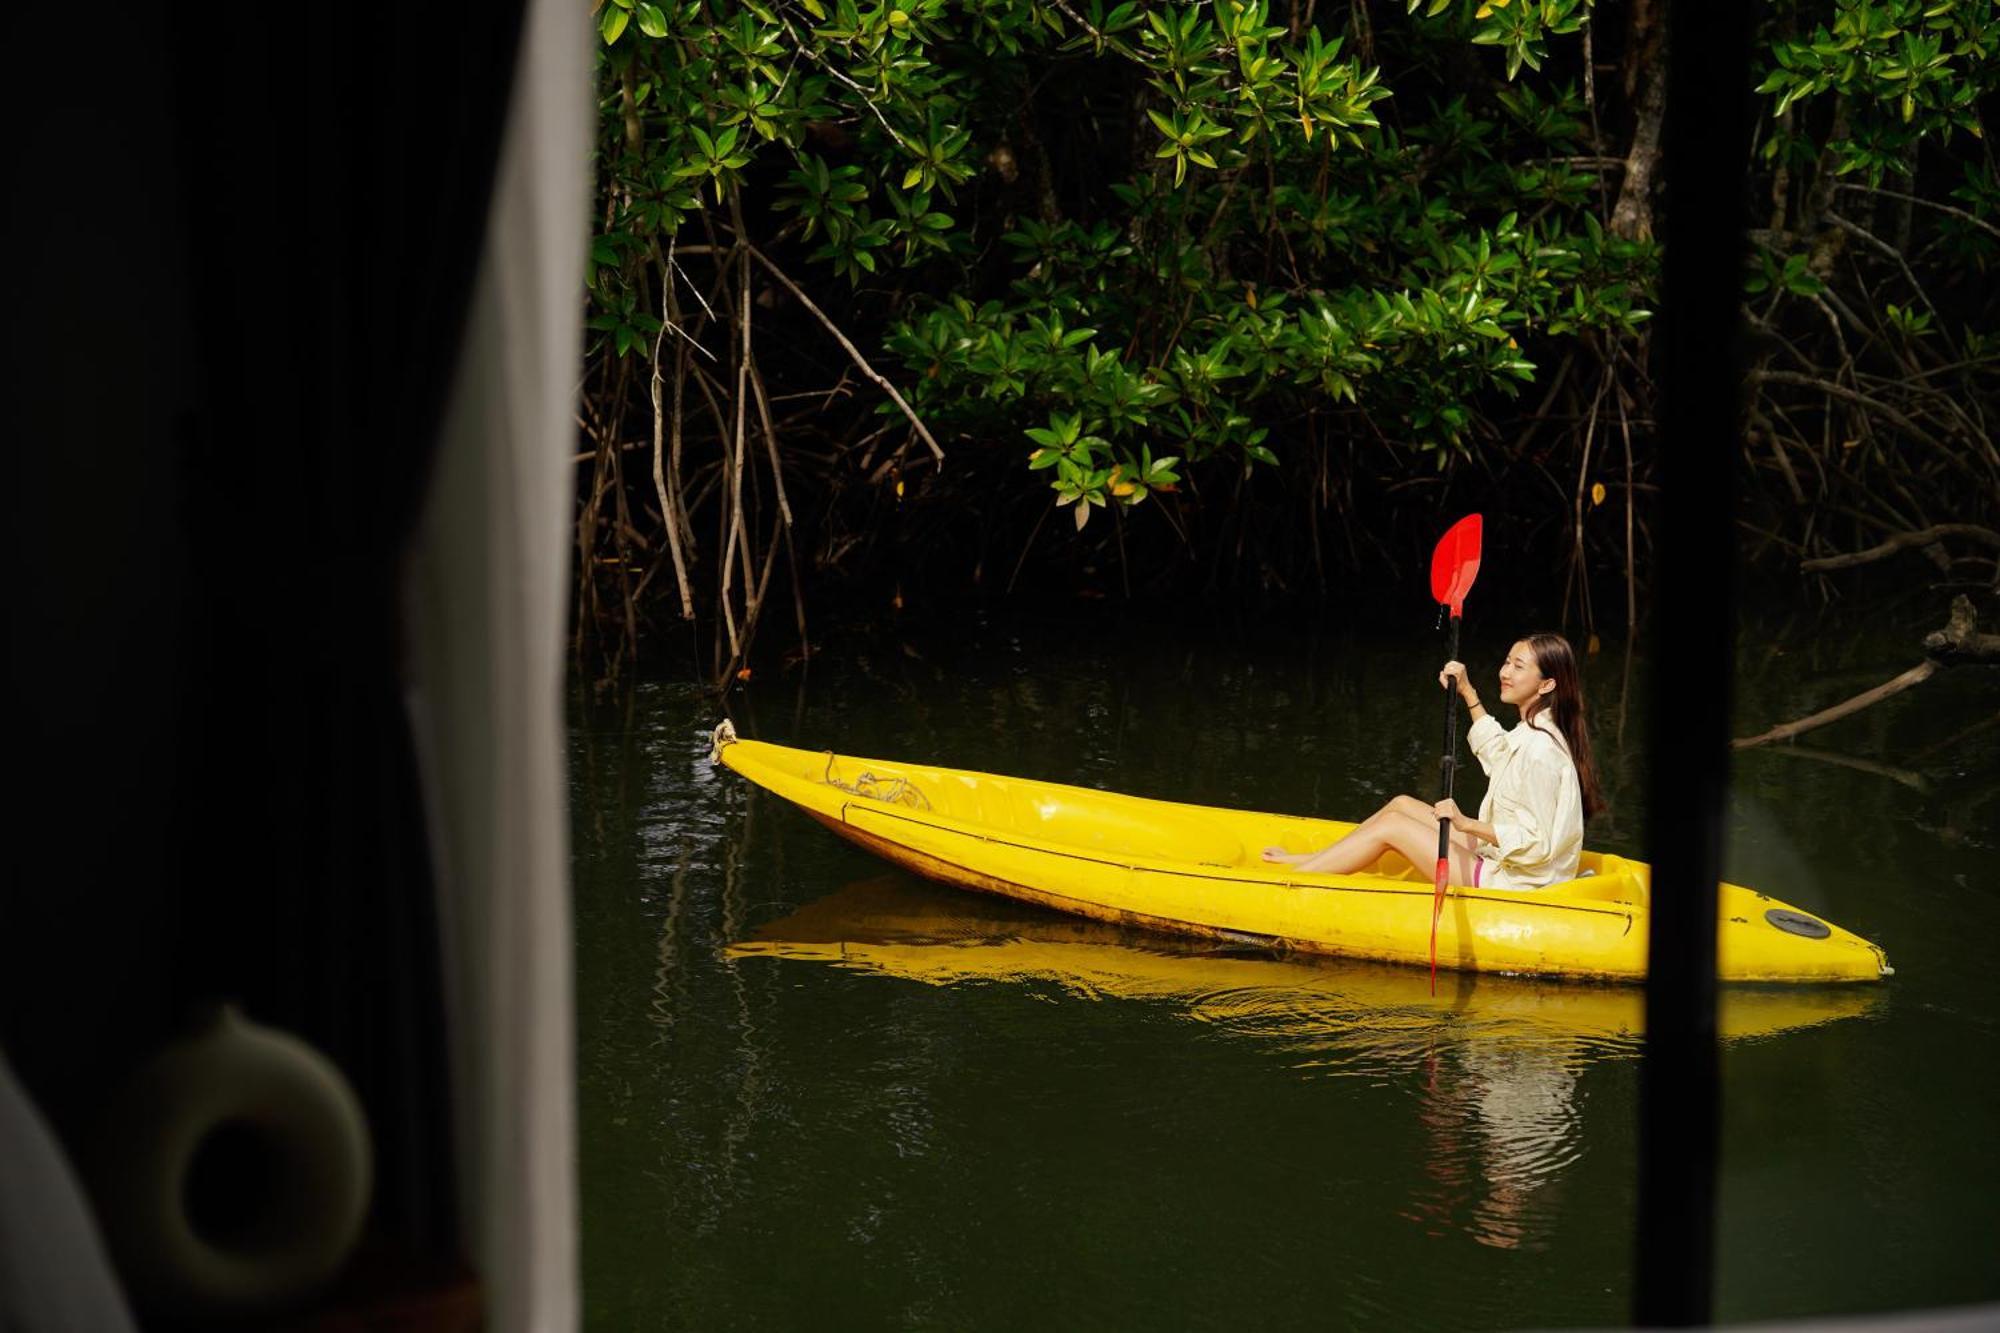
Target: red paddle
point(1454, 565)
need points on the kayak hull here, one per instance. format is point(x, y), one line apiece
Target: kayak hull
point(1195, 870)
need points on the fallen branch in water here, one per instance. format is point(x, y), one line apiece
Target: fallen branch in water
point(1959, 641)
point(1916, 675)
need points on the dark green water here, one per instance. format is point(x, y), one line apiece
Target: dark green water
point(980, 1116)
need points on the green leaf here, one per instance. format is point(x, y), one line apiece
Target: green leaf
point(612, 25)
point(651, 21)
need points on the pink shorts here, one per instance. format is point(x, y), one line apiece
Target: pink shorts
point(1477, 862)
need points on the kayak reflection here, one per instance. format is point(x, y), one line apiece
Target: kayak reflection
point(1493, 1062)
point(1336, 1012)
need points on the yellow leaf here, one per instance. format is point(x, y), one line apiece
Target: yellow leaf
point(1596, 493)
point(899, 488)
point(1592, 648)
point(1485, 11)
point(1307, 121)
point(1082, 515)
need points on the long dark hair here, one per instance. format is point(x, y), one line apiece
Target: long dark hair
point(1557, 660)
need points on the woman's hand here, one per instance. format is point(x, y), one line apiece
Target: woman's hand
point(1448, 809)
point(1453, 676)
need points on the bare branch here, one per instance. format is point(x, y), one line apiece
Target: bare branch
point(667, 511)
point(1980, 223)
point(1875, 405)
point(859, 360)
point(1893, 253)
point(1901, 541)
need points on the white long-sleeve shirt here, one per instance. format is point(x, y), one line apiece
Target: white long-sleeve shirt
point(1533, 801)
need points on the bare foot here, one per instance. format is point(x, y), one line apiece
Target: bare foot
point(1279, 854)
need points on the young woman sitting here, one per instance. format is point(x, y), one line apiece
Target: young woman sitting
point(1542, 785)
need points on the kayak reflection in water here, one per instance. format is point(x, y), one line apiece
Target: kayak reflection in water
point(1542, 786)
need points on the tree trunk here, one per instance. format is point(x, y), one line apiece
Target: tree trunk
point(1646, 83)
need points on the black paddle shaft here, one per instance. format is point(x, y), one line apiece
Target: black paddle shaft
point(1450, 747)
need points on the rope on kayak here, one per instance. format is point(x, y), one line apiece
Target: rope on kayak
point(890, 791)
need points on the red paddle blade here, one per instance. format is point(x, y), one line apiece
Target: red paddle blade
point(1455, 562)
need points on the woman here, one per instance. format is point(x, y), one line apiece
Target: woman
point(1542, 786)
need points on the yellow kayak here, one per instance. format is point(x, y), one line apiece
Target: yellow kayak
point(892, 926)
point(1195, 870)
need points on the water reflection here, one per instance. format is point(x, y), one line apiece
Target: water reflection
point(1501, 1125)
point(1224, 1141)
point(1493, 1064)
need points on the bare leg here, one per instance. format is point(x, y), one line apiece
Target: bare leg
point(1279, 854)
point(1407, 807)
point(1420, 810)
point(1389, 830)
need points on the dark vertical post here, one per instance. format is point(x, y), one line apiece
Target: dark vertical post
point(1692, 648)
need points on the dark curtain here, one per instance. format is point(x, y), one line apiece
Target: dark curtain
point(254, 236)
